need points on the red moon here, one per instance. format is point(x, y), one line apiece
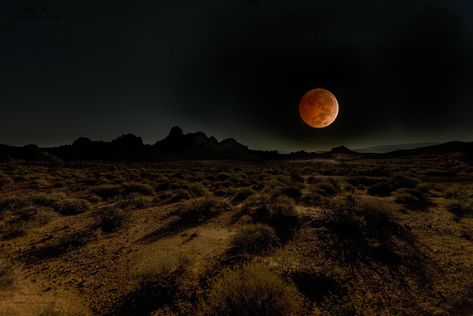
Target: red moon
point(318, 108)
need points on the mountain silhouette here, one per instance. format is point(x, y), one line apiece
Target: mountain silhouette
point(194, 146)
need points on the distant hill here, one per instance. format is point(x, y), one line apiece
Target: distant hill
point(198, 146)
point(389, 148)
point(175, 146)
point(454, 147)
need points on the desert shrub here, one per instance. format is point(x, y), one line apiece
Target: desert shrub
point(401, 181)
point(7, 273)
point(145, 189)
point(22, 219)
point(251, 290)
point(255, 239)
point(190, 214)
point(413, 199)
point(361, 180)
point(290, 191)
point(316, 286)
point(313, 180)
point(222, 176)
point(136, 201)
point(396, 182)
point(327, 188)
point(358, 231)
point(5, 180)
point(278, 213)
point(297, 178)
point(107, 191)
point(242, 194)
point(49, 200)
point(73, 206)
point(461, 208)
point(381, 189)
point(160, 282)
point(196, 189)
point(111, 219)
point(201, 210)
point(12, 203)
point(173, 196)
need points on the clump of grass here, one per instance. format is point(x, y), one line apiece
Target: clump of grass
point(278, 213)
point(290, 191)
point(190, 214)
point(141, 188)
point(5, 181)
point(111, 219)
point(136, 201)
point(60, 246)
point(160, 282)
point(327, 188)
point(21, 220)
point(461, 208)
point(252, 240)
point(11, 203)
point(107, 191)
point(200, 210)
point(356, 232)
point(7, 273)
point(251, 290)
point(72, 206)
point(242, 194)
point(385, 188)
point(416, 199)
point(381, 189)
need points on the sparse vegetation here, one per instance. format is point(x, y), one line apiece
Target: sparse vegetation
point(253, 240)
point(112, 218)
point(251, 290)
point(7, 274)
point(341, 237)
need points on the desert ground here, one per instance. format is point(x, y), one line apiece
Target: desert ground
point(338, 236)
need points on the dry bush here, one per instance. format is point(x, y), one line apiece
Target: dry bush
point(5, 181)
point(60, 246)
point(316, 286)
point(329, 187)
point(137, 201)
point(354, 232)
point(396, 182)
point(190, 214)
point(381, 189)
point(290, 191)
point(141, 188)
point(107, 191)
point(111, 219)
point(416, 199)
point(72, 206)
point(21, 220)
point(7, 274)
point(251, 290)
point(461, 208)
point(278, 213)
point(198, 211)
point(251, 240)
point(13, 203)
point(161, 281)
point(242, 194)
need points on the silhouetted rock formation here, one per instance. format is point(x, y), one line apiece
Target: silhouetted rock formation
point(342, 150)
point(194, 146)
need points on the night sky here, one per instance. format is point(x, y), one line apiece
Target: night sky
point(402, 72)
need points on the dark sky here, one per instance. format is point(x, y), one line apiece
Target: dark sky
point(402, 71)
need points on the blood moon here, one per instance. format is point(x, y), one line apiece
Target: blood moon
point(318, 108)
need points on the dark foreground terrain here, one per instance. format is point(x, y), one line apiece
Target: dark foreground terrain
point(333, 236)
